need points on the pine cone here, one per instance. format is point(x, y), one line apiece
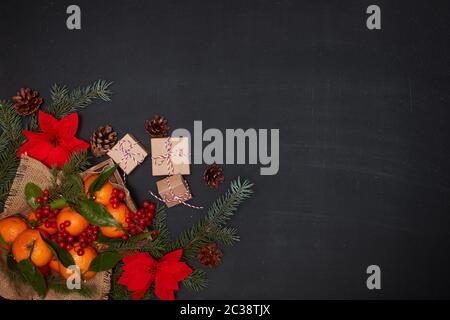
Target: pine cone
point(27, 101)
point(210, 255)
point(102, 140)
point(157, 127)
point(213, 176)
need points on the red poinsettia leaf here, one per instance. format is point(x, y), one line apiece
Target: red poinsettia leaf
point(57, 157)
point(36, 136)
point(73, 144)
point(136, 280)
point(164, 287)
point(180, 271)
point(68, 125)
point(47, 122)
point(139, 258)
point(38, 151)
point(173, 256)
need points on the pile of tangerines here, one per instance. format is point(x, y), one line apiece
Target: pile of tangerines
point(70, 230)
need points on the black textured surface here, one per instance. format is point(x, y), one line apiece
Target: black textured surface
point(364, 116)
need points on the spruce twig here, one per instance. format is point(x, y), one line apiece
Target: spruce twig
point(65, 102)
point(11, 138)
point(197, 280)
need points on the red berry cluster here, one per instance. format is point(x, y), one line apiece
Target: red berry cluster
point(117, 196)
point(67, 241)
point(141, 219)
point(44, 214)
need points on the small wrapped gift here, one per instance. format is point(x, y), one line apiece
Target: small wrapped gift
point(170, 156)
point(173, 190)
point(128, 153)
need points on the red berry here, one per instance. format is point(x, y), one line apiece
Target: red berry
point(45, 191)
point(122, 195)
point(45, 198)
point(39, 200)
point(80, 252)
point(38, 210)
point(151, 207)
point(115, 205)
point(67, 223)
point(155, 233)
point(69, 247)
point(47, 207)
point(127, 219)
point(48, 224)
point(70, 239)
point(62, 226)
point(39, 215)
point(45, 212)
point(124, 237)
point(62, 244)
point(114, 192)
point(146, 203)
point(83, 245)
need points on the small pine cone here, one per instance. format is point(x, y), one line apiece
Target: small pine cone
point(102, 140)
point(27, 101)
point(210, 255)
point(213, 176)
point(157, 127)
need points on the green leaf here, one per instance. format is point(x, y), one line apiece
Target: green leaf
point(58, 204)
point(3, 242)
point(32, 192)
point(96, 214)
point(77, 181)
point(11, 262)
point(98, 182)
point(33, 276)
point(105, 261)
point(61, 254)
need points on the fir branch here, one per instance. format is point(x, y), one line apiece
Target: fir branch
point(118, 291)
point(212, 228)
point(10, 124)
point(65, 102)
point(11, 138)
point(225, 236)
point(197, 280)
point(8, 167)
point(78, 162)
point(66, 183)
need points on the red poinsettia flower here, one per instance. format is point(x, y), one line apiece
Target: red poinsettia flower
point(55, 144)
point(140, 270)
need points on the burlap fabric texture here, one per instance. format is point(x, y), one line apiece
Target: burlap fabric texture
point(31, 170)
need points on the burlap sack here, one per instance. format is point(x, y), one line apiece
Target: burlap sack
point(31, 170)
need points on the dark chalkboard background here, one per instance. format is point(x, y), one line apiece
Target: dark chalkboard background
point(363, 115)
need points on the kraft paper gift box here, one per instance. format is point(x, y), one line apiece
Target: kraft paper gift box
point(173, 190)
point(128, 153)
point(170, 156)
